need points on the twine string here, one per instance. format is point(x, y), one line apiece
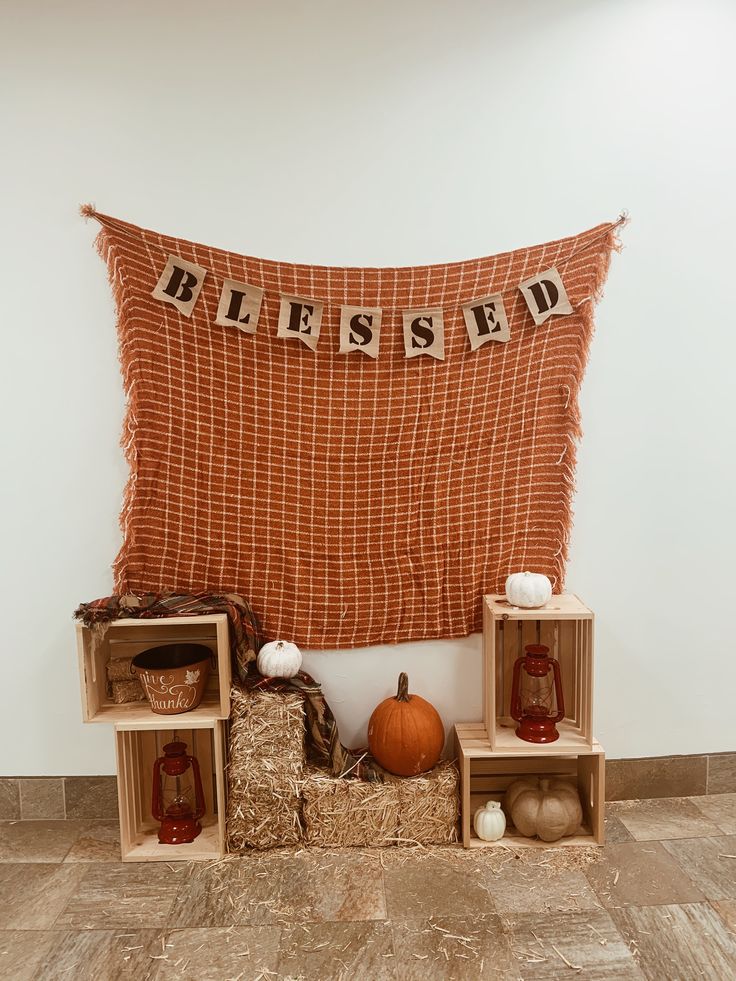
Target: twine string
point(622, 220)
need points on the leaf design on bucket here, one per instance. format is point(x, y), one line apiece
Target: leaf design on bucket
point(192, 677)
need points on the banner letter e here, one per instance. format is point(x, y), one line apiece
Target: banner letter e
point(300, 317)
point(486, 320)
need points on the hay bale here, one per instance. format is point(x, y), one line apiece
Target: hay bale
point(339, 812)
point(120, 669)
point(265, 769)
point(429, 806)
point(348, 812)
point(127, 691)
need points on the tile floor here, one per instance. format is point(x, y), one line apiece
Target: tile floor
point(660, 903)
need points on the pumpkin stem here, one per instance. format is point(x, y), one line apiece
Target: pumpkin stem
point(544, 785)
point(402, 695)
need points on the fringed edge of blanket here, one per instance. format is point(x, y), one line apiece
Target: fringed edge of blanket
point(106, 250)
point(573, 428)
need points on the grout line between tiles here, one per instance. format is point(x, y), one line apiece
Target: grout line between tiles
point(20, 800)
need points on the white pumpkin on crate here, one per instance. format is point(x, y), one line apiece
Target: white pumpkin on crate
point(279, 659)
point(490, 821)
point(529, 590)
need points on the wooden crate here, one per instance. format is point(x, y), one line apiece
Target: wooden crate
point(485, 774)
point(565, 625)
point(136, 750)
point(128, 637)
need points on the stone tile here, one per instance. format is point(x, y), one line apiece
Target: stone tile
point(520, 888)
point(721, 809)
point(102, 955)
point(726, 909)
point(676, 942)
point(93, 797)
point(216, 953)
point(615, 831)
point(122, 896)
point(654, 820)
point(355, 951)
point(21, 951)
point(421, 886)
point(37, 841)
point(32, 896)
point(588, 940)
point(98, 841)
point(706, 862)
point(640, 873)
point(722, 773)
point(229, 894)
point(42, 799)
point(280, 887)
point(9, 799)
point(660, 776)
point(464, 947)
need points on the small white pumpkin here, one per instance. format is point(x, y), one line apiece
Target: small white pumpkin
point(529, 590)
point(490, 821)
point(279, 659)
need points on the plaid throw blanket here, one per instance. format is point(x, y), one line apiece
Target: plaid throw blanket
point(324, 748)
point(245, 631)
point(355, 501)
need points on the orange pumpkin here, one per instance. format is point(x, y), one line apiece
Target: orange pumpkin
point(405, 733)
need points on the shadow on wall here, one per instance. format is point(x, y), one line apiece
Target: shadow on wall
point(445, 672)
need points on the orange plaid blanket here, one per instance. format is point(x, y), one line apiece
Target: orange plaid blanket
point(352, 501)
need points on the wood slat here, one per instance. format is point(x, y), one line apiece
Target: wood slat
point(566, 656)
point(490, 683)
point(125, 799)
point(562, 606)
point(204, 848)
point(220, 745)
point(200, 743)
point(589, 687)
point(518, 841)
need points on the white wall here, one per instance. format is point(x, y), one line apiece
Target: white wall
point(382, 133)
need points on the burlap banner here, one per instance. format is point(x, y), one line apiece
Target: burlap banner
point(301, 317)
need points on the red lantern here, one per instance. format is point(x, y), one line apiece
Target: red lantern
point(178, 798)
point(537, 701)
